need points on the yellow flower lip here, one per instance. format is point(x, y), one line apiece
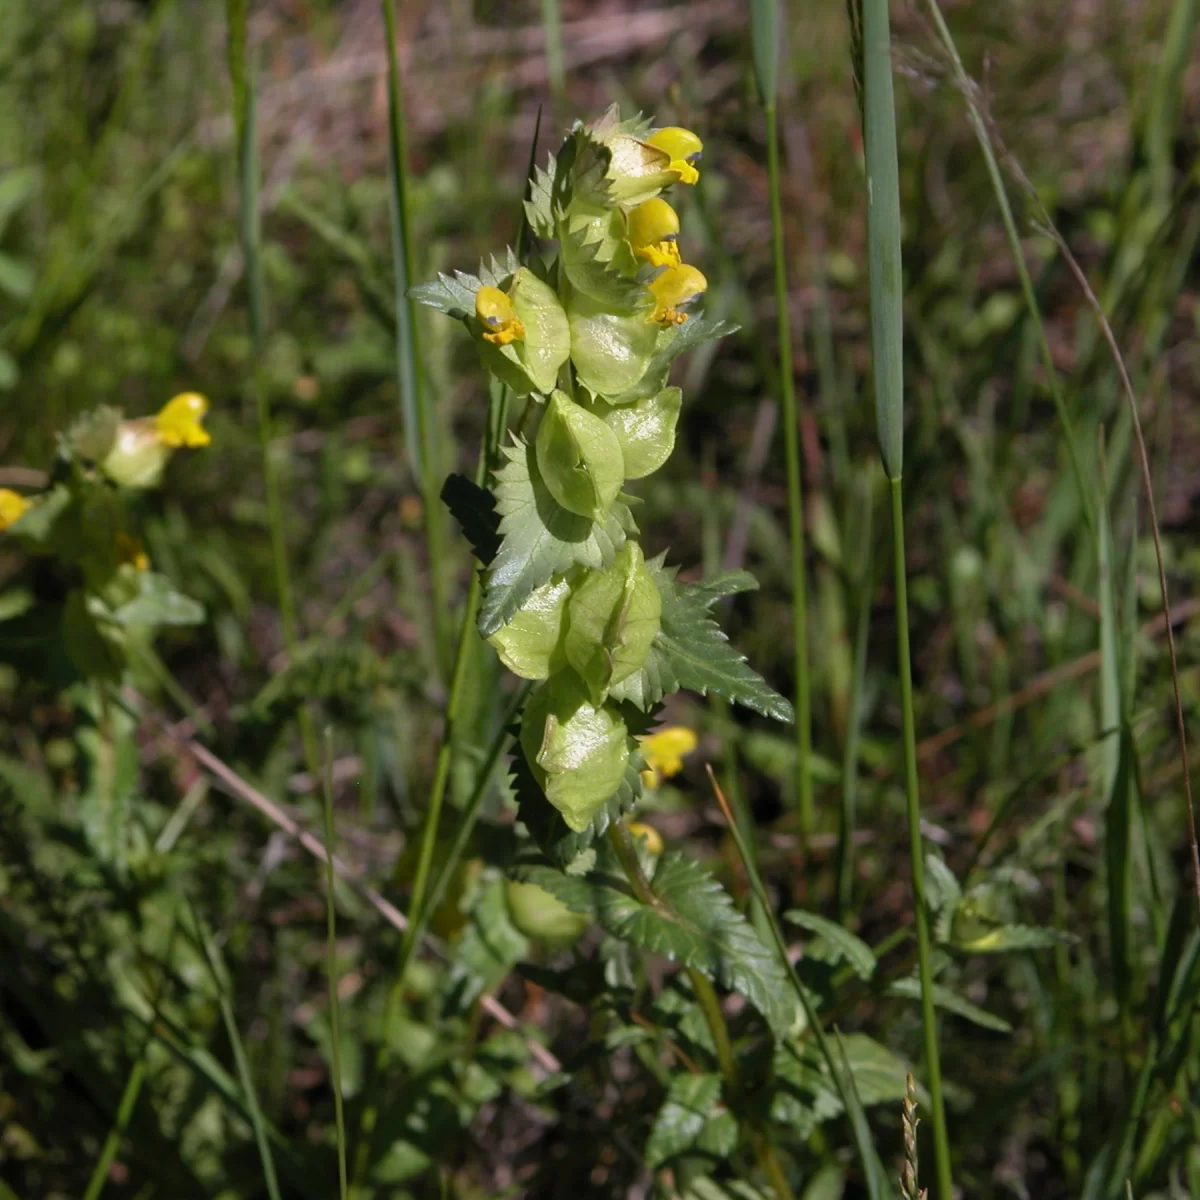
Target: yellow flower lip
point(673, 288)
point(498, 317)
point(180, 421)
point(654, 232)
point(684, 149)
point(13, 506)
point(664, 752)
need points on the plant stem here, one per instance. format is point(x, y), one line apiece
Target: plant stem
point(419, 431)
point(791, 441)
point(108, 1152)
point(714, 1018)
point(941, 1141)
point(335, 1034)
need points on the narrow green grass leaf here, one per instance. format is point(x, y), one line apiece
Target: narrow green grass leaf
point(335, 1021)
point(765, 36)
point(910, 989)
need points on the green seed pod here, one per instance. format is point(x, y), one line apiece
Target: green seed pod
point(610, 353)
point(531, 363)
point(614, 616)
point(646, 430)
point(538, 914)
point(530, 645)
point(579, 458)
point(577, 751)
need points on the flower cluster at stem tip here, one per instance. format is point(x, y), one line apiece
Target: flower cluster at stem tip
point(585, 327)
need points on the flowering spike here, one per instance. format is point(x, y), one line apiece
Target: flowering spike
point(180, 421)
point(498, 317)
point(684, 148)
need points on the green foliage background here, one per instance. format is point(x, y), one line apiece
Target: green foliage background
point(135, 916)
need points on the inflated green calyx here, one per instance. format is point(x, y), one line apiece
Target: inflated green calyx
point(579, 457)
point(530, 645)
point(577, 751)
point(613, 617)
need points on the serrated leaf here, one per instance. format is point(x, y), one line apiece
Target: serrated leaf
point(695, 923)
point(540, 538)
point(622, 295)
point(692, 1120)
point(454, 294)
point(474, 508)
point(157, 603)
point(847, 946)
point(690, 651)
point(1012, 937)
point(561, 845)
point(490, 944)
point(539, 208)
point(910, 989)
point(942, 894)
point(672, 342)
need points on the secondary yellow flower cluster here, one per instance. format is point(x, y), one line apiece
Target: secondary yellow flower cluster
point(664, 752)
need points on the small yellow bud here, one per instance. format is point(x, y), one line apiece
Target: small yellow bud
point(179, 421)
point(664, 752)
point(654, 232)
point(684, 149)
point(649, 836)
point(674, 288)
point(13, 506)
point(130, 550)
point(498, 317)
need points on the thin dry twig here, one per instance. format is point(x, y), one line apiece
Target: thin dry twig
point(237, 787)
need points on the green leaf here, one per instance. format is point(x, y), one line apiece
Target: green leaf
point(610, 352)
point(1004, 938)
point(540, 210)
point(157, 603)
point(39, 522)
point(910, 989)
point(474, 508)
point(646, 430)
point(577, 751)
point(531, 644)
point(454, 294)
point(694, 922)
point(600, 281)
point(614, 616)
point(579, 457)
point(540, 538)
point(565, 848)
point(16, 277)
point(692, 1121)
point(671, 343)
point(942, 894)
point(690, 651)
point(846, 945)
point(490, 944)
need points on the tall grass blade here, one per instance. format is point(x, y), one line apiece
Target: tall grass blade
point(765, 30)
point(335, 1022)
point(416, 414)
point(555, 59)
point(887, 327)
point(241, 1062)
point(1162, 112)
point(112, 1142)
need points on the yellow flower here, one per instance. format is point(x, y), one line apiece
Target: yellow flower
point(654, 233)
point(648, 834)
point(664, 751)
point(673, 288)
point(180, 421)
point(13, 506)
point(130, 550)
point(498, 317)
point(684, 149)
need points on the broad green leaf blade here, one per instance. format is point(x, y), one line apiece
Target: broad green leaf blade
point(910, 989)
point(849, 947)
point(454, 294)
point(692, 1120)
point(540, 538)
point(474, 508)
point(696, 924)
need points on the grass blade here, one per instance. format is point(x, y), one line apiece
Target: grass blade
point(765, 31)
point(887, 327)
point(335, 1023)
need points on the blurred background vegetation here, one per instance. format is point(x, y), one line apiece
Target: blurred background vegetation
point(121, 282)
